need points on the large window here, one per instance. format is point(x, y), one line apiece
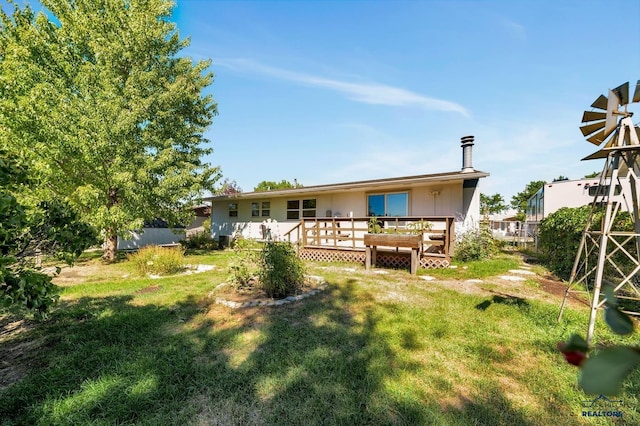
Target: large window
point(301, 208)
point(392, 204)
point(597, 190)
point(261, 209)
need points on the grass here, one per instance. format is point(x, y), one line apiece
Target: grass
point(373, 349)
point(476, 269)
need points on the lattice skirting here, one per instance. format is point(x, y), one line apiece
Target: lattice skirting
point(384, 259)
point(323, 255)
point(434, 262)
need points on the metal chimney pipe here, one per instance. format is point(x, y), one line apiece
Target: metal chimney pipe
point(467, 146)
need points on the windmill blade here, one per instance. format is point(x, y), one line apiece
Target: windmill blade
point(612, 140)
point(593, 115)
point(622, 92)
point(600, 103)
point(596, 155)
point(636, 93)
point(590, 128)
point(593, 127)
point(601, 136)
point(598, 138)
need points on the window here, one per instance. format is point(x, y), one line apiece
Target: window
point(597, 190)
point(308, 208)
point(392, 204)
point(293, 209)
point(266, 209)
point(233, 209)
point(261, 209)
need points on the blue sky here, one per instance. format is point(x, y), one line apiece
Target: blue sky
point(335, 91)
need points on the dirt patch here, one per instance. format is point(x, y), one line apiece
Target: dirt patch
point(150, 289)
point(16, 355)
point(95, 270)
point(558, 289)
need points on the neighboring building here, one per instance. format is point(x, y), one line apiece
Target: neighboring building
point(258, 215)
point(158, 232)
point(572, 193)
point(504, 224)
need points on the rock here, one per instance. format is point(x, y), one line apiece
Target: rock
point(512, 278)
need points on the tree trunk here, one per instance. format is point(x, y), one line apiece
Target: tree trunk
point(111, 237)
point(110, 246)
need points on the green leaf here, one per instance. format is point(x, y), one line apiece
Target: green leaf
point(610, 296)
point(619, 322)
point(604, 373)
point(577, 343)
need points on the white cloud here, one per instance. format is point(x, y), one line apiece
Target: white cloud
point(370, 93)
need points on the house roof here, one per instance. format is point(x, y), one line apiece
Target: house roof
point(379, 184)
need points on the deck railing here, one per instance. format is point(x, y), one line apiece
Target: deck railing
point(347, 233)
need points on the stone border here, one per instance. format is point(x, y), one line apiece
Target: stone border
point(270, 302)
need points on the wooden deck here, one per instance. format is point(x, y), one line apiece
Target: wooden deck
point(343, 239)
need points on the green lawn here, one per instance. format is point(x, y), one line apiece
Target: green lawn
point(373, 349)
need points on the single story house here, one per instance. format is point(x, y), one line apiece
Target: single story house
point(329, 221)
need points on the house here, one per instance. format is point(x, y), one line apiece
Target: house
point(574, 193)
point(158, 232)
point(332, 219)
point(503, 224)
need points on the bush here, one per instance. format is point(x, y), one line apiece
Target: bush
point(243, 267)
point(476, 245)
point(158, 260)
point(199, 241)
point(281, 271)
point(560, 234)
point(28, 289)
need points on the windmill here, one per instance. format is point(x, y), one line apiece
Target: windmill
point(606, 253)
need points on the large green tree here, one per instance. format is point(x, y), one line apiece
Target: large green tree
point(270, 185)
point(95, 93)
point(519, 201)
point(491, 204)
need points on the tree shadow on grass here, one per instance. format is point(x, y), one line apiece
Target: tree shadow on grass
point(321, 361)
point(504, 299)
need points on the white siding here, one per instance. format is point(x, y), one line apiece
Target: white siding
point(572, 193)
point(150, 236)
point(440, 199)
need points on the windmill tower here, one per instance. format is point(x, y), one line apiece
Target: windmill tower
point(608, 254)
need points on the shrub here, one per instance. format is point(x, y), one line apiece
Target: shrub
point(281, 271)
point(158, 260)
point(243, 266)
point(560, 234)
point(199, 241)
point(476, 245)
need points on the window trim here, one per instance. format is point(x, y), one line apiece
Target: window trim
point(304, 208)
point(233, 209)
point(261, 209)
